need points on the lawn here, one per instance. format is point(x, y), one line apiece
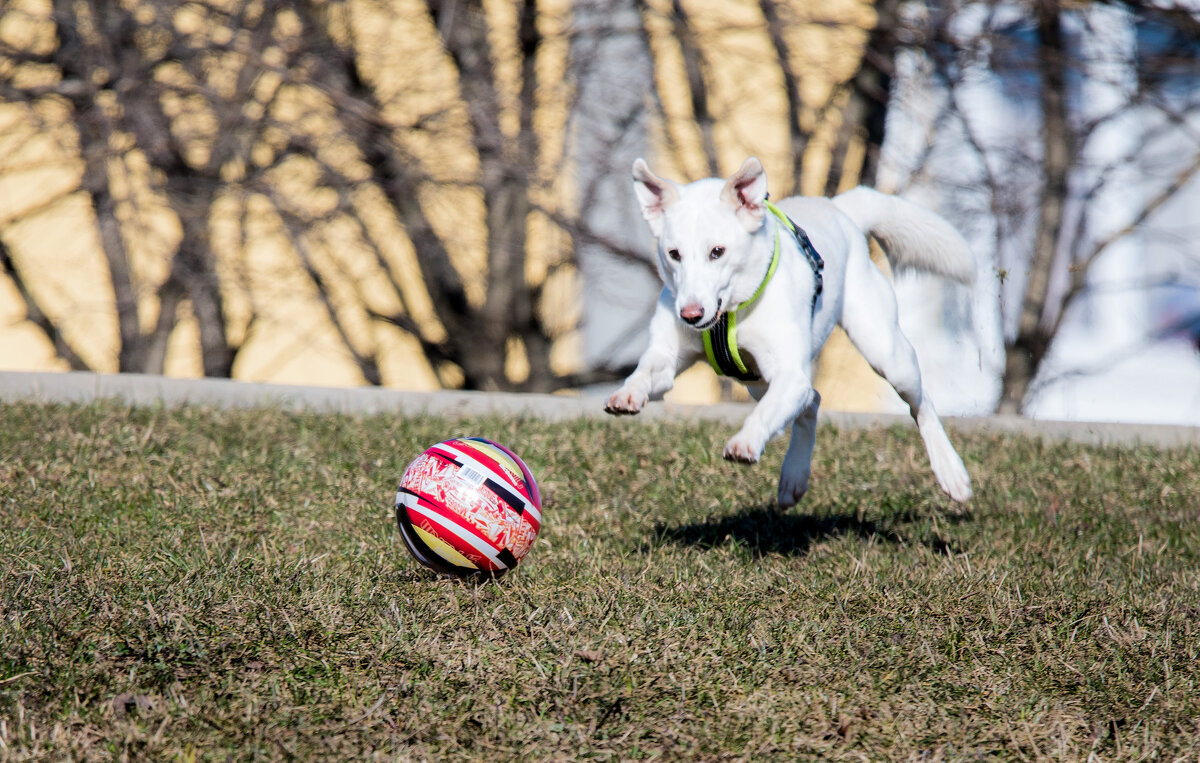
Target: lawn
point(199, 584)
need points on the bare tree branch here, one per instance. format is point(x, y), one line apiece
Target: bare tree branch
point(1081, 269)
point(294, 227)
point(37, 316)
point(864, 115)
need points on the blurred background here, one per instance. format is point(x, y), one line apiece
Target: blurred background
point(435, 193)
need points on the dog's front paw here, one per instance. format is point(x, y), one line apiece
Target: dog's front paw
point(742, 450)
point(625, 402)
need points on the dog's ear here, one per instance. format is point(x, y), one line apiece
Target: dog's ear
point(654, 194)
point(746, 192)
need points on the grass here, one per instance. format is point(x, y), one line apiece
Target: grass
point(197, 584)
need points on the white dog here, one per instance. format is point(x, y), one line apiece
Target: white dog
point(755, 297)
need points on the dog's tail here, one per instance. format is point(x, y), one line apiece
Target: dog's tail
point(913, 237)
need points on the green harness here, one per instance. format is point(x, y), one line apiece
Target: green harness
point(720, 339)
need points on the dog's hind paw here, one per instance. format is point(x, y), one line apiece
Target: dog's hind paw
point(624, 402)
point(952, 477)
point(791, 490)
point(959, 489)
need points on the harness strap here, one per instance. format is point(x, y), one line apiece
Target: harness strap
point(720, 339)
point(720, 345)
point(805, 245)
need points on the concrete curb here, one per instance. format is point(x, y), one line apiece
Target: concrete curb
point(143, 390)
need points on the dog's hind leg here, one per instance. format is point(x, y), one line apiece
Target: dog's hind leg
point(871, 321)
point(797, 464)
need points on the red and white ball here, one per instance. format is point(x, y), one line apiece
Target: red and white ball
point(468, 505)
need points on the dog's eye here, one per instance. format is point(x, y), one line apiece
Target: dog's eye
point(673, 254)
point(716, 253)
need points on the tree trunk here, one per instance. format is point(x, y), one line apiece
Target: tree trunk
point(80, 58)
point(464, 30)
point(191, 199)
point(94, 137)
point(693, 66)
point(528, 324)
point(798, 137)
point(1025, 353)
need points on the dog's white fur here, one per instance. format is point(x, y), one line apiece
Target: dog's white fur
point(715, 243)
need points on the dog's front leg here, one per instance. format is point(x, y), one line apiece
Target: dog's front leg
point(672, 348)
point(789, 393)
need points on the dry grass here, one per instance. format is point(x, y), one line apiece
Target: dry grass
point(199, 584)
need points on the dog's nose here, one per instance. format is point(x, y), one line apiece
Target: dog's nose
point(692, 313)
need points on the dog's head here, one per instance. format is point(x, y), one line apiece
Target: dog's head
point(707, 252)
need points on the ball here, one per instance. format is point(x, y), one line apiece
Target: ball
point(468, 506)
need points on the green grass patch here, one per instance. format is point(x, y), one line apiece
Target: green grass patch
point(199, 584)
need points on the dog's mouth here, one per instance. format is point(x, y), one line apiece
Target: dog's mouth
point(706, 325)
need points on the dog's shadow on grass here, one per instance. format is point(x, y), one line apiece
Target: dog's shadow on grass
point(766, 529)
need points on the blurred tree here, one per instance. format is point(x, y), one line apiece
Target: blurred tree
point(428, 174)
point(201, 94)
point(117, 71)
point(1107, 92)
point(201, 129)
